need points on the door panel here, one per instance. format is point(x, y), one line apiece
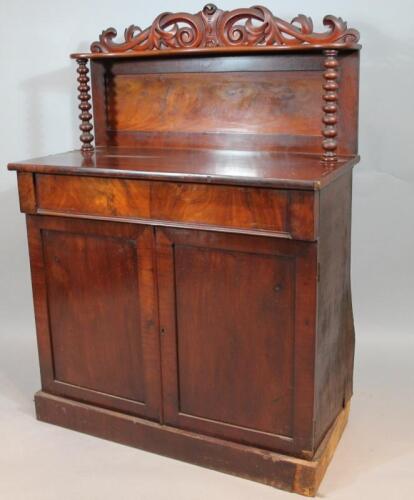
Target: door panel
point(230, 336)
point(235, 337)
point(93, 312)
point(98, 288)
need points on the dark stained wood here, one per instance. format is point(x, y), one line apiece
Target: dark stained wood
point(94, 196)
point(245, 298)
point(225, 167)
point(348, 104)
point(212, 27)
point(274, 469)
point(212, 63)
point(27, 194)
point(330, 97)
point(191, 272)
point(85, 353)
point(285, 92)
point(289, 214)
point(95, 305)
point(264, 209)
point(335, 334)
point(213, 51)
point(303, 215)
point(238, 102)
point(85, 106)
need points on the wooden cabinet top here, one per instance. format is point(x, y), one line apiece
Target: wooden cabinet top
point(244, 168)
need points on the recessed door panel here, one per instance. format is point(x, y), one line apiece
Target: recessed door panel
point(98, 287)
point(94, 312)
point(237, 336)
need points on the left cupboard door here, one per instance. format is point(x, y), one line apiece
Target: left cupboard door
point(96, 312)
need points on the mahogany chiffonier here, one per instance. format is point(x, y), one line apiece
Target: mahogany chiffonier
point(191, 262)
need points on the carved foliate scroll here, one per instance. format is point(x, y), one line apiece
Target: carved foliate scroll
point(212, 27)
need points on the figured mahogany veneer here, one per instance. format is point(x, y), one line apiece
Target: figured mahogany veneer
point(291, 213)
point(191, 263)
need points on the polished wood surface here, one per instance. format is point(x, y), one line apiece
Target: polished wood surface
point(212, 27)
point(27, 195)
point(85, 106)
point(227, 167)
point(255, 301)
point(290, 214)
point(95, 306)
point(238, 102)
point(191, 263)
point(285, 83)
point(330, 107)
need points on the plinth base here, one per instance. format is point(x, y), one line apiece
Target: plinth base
point(274, 469)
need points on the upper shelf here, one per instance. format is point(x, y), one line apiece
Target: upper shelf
point(228, 167)
point(213, 30)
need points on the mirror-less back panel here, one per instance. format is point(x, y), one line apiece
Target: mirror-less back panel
point(260, 101)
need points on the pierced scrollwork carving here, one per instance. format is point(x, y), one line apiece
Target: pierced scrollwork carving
point(212, 27)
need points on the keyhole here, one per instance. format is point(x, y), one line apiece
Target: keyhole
point(162, 331)
point(278, 287)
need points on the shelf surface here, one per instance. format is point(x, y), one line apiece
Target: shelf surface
point(271, 49)
point(230, 167)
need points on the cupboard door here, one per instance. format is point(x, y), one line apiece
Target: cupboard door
point(95, 304)
point(237, 324)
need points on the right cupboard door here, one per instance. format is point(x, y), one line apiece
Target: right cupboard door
point(237, 318)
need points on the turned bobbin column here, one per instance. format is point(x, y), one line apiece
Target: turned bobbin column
point(330, 107)
point(84, 97)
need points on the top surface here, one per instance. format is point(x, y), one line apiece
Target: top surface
point(231, 167)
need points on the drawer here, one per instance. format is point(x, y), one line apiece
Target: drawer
point(286, 213)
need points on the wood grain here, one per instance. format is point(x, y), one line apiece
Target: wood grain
point(191, 272)
point(269, 169)
point(274, 469)
point(242, 323)
point(335, 334)
point(216, 206)
point(83, 325)
point(178, 102)
point(96, 313)
point(27, 193)
point(238, 102)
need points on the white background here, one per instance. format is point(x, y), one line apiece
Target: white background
point(39, 116)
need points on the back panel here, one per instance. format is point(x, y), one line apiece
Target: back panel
point(246, 102)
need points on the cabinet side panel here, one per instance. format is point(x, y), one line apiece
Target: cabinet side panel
point(348, 94)
point(335, 333)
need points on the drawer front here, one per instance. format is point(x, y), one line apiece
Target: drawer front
point(286, 213)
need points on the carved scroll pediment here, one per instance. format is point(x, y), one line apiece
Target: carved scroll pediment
point(212, 28)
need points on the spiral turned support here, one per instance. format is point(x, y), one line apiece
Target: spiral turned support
point(85, 106)
point(330, 107)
